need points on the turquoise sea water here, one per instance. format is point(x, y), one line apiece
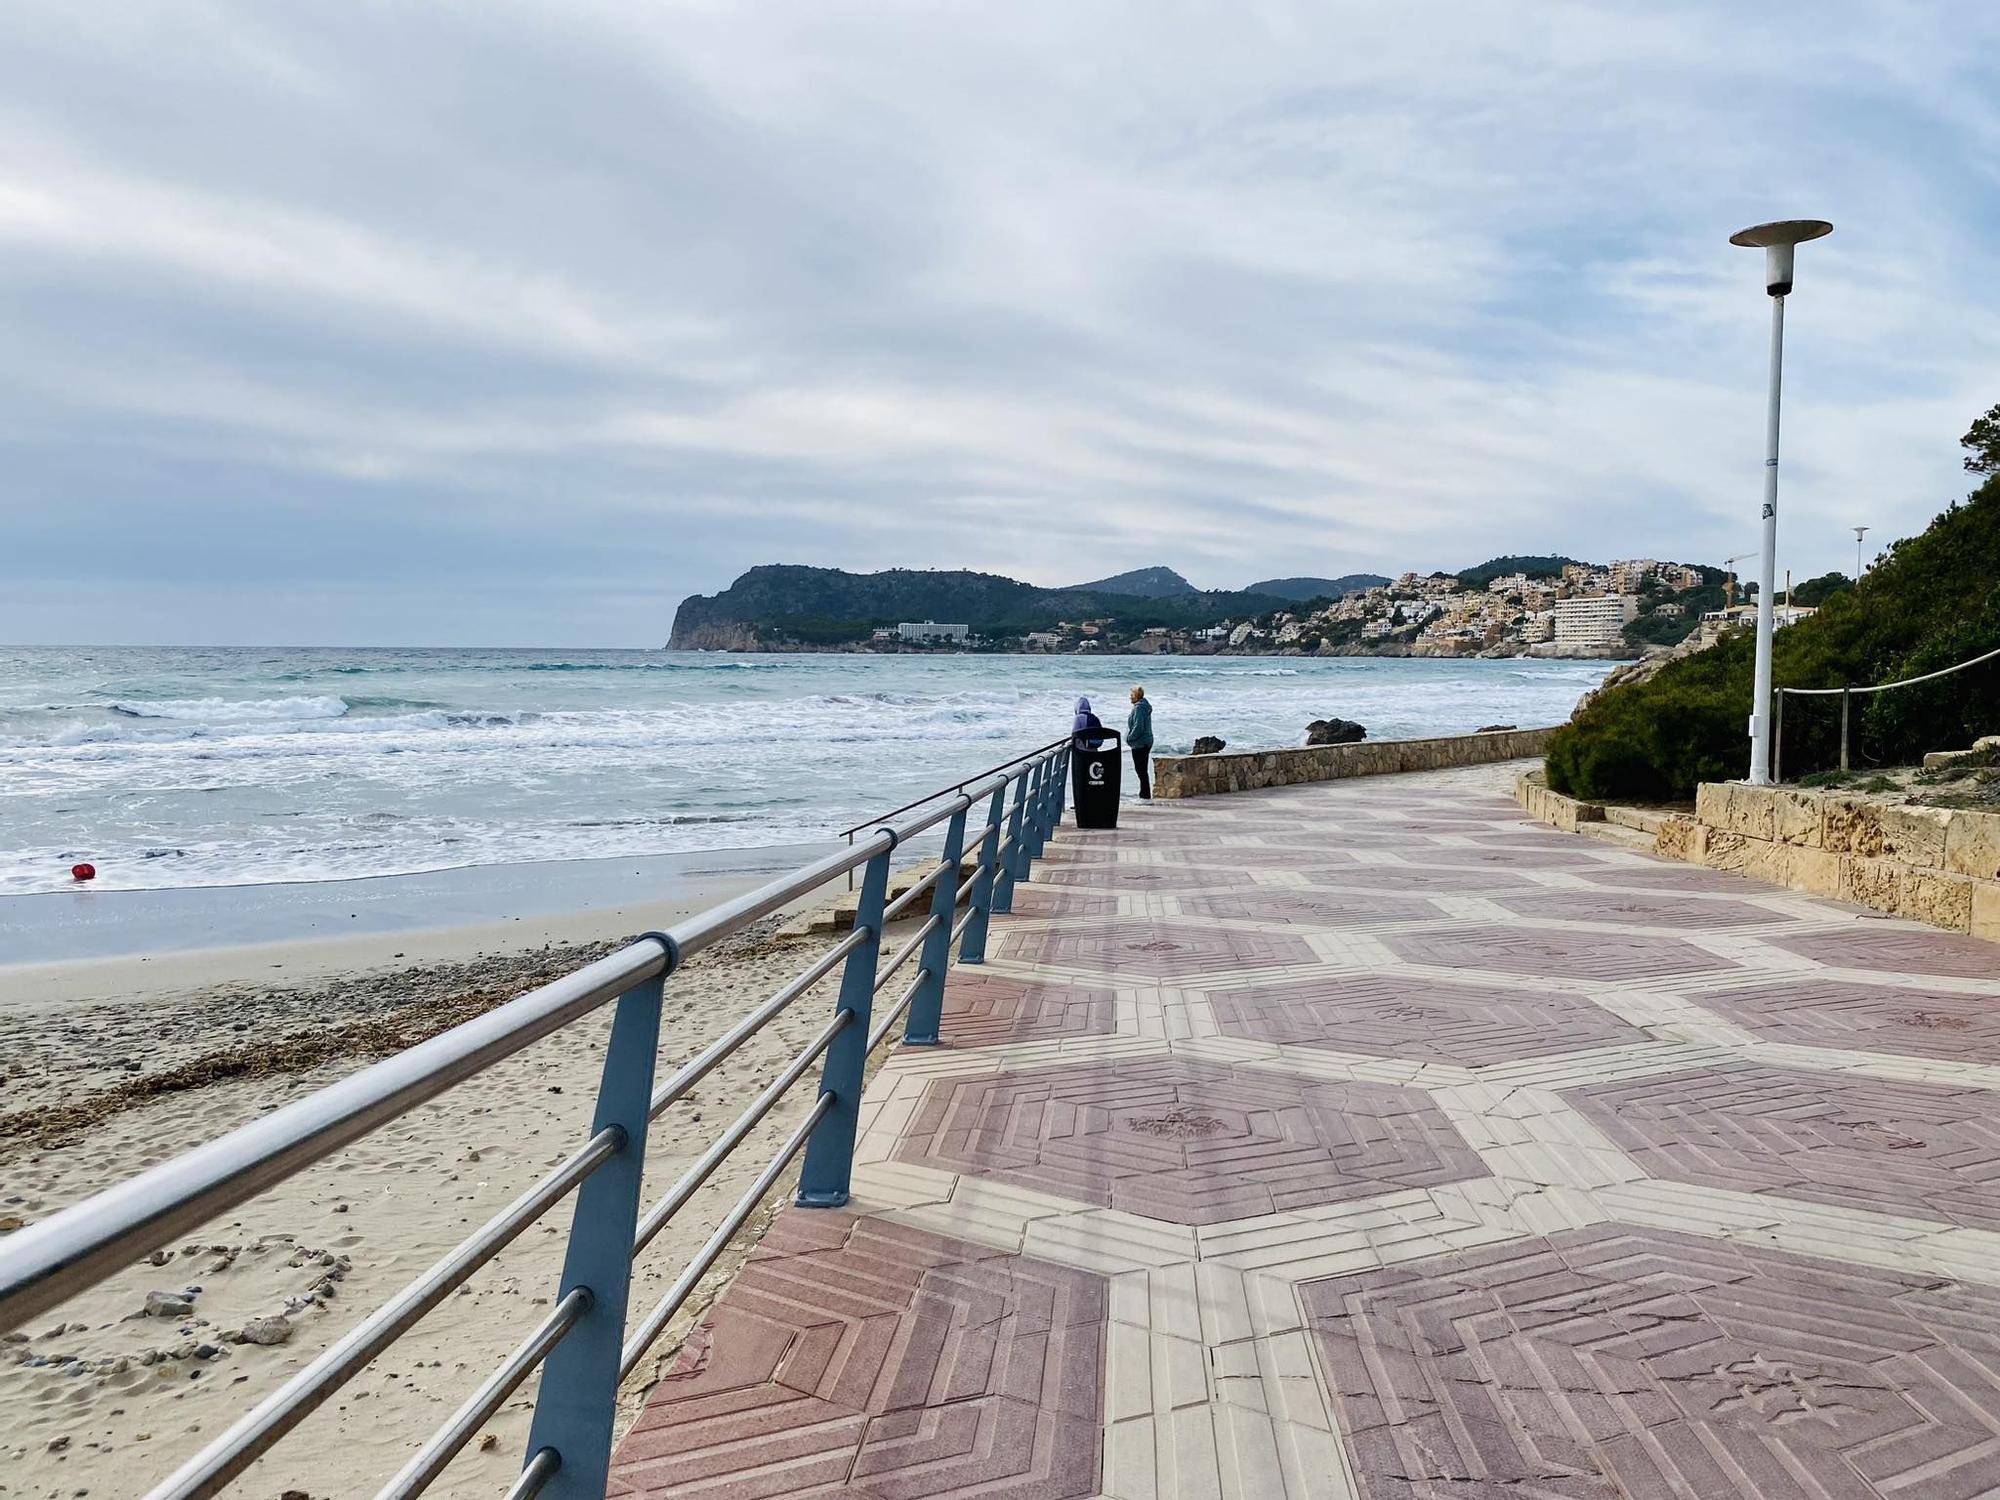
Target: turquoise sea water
point(245, 766)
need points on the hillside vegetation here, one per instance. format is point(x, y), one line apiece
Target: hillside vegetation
point(780, 602)
point(1932, 600)
point(1304, 589)
point(1145, 583)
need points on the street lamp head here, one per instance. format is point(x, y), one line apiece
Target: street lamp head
point(1776, 239)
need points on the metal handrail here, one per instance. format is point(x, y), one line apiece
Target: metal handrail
point(956, 786)
point(578, 1344)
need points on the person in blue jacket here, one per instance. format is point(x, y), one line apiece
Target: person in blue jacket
point(1139, 740)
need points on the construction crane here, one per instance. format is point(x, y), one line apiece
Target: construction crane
point(1729, 577)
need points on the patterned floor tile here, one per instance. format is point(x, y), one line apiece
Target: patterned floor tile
point(861, 1358)
point(982, 1010)
point(1899, 951)
point(1931, 1151)
point(1154, 950)
point(1188, 1143)
point(1385, 877)
point(1608, 1362)
point(1311, 908)
point(1864, 1017)
point(1128, 879)
point(1637, 910)
point(1425, 1019)
point(1554, 953)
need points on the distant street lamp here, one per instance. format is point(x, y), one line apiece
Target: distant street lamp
point(1777, 241)
point(1859, 533)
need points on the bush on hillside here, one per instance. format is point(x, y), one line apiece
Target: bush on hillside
point(1932, 601)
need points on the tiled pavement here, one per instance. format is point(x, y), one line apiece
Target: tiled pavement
point(1365, 1141)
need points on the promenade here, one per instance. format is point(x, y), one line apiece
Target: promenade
point(1365, 1140)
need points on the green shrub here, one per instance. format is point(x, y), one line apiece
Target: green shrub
point(1933, 600)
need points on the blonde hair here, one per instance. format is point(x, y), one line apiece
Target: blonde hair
point(1138, 692)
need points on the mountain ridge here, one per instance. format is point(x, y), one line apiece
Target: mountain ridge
point(784, 602)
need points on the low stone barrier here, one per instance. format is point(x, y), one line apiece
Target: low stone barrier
point(1248, 770)
point(1930, 864)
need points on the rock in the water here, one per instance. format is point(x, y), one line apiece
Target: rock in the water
point(1334, 732)
point(1208, 744)
point(267, 1331)
point(167, 1305)
point(1493, 728)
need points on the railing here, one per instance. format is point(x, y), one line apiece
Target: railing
point(1847, 696)
point(583, 1345)
point(957, 788)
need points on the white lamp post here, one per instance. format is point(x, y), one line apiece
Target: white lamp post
point(1777, 241)
point(1859, 533)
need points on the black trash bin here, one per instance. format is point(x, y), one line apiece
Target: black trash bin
point(1093, 781)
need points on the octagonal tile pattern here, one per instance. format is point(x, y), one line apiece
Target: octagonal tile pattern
point(981, 1010)
point(1866, 1017)
point(1405, 878)
point(1553, 953)
point(1928, 1150)
point(1637, 909)
point(1612, 1361)
point(859, 1358)
point(1188, 1143)
point(1309, 908)
point(1152, 950)
point(1131, 879)
point(1425, 1020)
point(1062, 901)
point(1474, 856)
point(1899, 951)
point(1385, 1145)
point(1260, 857)
point(1645, 874)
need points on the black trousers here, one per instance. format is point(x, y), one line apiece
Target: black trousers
point(1142, 756)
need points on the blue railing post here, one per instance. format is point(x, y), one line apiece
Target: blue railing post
point(1014, 863)
point(1053, 789)
point(1038, 813)
point(578, 1397)
point(920, 1026)
point(823, 1181)
point(973, 949)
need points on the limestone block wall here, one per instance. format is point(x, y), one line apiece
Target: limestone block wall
point(1244, 771)
point(1930, 864)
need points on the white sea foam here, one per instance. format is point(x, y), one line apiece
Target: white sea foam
point(234, 711)
point(181, 768)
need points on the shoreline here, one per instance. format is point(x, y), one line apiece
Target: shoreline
point(557, 899)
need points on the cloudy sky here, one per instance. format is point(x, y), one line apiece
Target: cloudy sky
point(506, 323)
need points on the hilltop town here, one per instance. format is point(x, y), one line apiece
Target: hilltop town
point(1544, 606)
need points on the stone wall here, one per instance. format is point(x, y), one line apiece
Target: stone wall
point(1248, 770)
point(1930, 864)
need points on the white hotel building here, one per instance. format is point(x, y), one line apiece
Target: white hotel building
point(1594, 622)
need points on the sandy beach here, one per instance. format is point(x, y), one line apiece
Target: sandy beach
point(112, 1065)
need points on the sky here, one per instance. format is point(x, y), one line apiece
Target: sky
point(512, 324)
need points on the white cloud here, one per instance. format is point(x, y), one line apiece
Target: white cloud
point(1056, 289)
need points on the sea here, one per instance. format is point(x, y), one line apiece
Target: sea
point(249, 766)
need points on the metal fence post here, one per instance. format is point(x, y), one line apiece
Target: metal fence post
point(829, 1164)
point(1846, 698)
point(1031, 825)
point(973, 949)
point(578, 1397)
point(1058, 790)
point(920, 1026)
point(1014, 865)
point(1778, 734)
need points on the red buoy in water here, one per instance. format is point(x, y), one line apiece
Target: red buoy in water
point(83, 872)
